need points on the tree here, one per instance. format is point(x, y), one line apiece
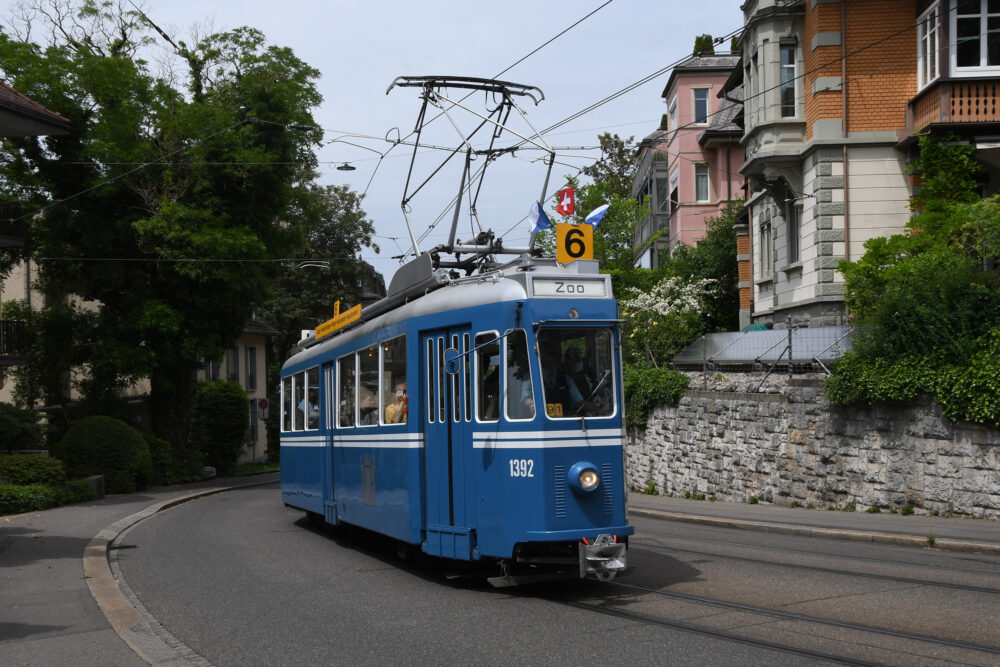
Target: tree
point(612, 184)
point(159, 217)
point(704, 45)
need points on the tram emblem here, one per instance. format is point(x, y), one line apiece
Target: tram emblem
point(368, 479)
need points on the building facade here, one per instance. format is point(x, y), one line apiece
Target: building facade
point(689, 166)
point(836, 93)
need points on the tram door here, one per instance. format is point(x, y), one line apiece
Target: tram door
point(448, 463)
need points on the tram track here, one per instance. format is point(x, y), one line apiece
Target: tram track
point(602, 606)
point(642, 544)
point(825, 554)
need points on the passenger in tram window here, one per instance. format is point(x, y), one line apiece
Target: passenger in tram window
point(395, 413)
point(562, 396)
point(369, 408)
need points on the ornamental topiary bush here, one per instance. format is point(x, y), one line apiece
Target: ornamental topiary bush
point(19, 428)
point(110, 447)
point(31, 469)
point(219, 423)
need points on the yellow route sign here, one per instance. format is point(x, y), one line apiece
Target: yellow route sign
point(574, 242)
point(340, 320)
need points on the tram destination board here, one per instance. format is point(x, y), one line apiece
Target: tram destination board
point(570, 287)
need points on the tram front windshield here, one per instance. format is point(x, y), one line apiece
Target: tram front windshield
point(577, 376)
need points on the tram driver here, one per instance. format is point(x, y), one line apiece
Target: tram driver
point(562, 396)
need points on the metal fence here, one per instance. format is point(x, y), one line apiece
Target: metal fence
point(762, 353)
point(13, 340)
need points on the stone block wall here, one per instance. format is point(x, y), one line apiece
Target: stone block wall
point(792, 445)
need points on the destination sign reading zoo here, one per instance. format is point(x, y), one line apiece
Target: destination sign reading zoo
point(570, 287)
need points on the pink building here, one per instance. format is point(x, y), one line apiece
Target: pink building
point(690, 166)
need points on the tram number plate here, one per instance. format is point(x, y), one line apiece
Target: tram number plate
point(570, 287)
point(522, 467)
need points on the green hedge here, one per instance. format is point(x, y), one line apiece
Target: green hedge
point(110, 447)
point(17, 498)
point(219, 422)
point(645, 388)
point(31, 469)
point(967, 391)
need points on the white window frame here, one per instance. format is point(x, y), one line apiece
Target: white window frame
point(982, 68)
point(766, 252)
point(794, 229)
point(694, 106)
point(928, 36)
point(672, 114)
point(794, 67)
point(701, 171)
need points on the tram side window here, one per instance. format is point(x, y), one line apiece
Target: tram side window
point(368, 385)
point(286, 404)
point(394, 399)
point(312, 398)
point(299, 386)
point(520, 398)
point(345, 389)
point(487, 377)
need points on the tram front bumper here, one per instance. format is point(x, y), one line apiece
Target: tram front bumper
point(602, 559)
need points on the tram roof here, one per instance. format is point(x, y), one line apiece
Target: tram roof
point(507, 283)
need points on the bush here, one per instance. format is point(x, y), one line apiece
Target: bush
point(105, 446)
point(219, 423)
point(646, 388)
point(32, 469)
point(19, 428)
point(18, 498)
point(162, 454)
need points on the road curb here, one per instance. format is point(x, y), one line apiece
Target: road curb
point(127, 621)
point(942, 543)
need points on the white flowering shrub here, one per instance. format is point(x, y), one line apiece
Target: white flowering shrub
point(664, 319)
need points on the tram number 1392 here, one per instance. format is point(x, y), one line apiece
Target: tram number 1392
point(522, 467)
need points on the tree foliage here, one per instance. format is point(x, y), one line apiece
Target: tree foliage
point(927, 302)
point(157, 221)
point(611, 184)
point(704, 45)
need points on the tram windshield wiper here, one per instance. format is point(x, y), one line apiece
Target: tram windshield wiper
point(607, 372)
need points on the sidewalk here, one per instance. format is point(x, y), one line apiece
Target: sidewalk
point(954, 534)
point(48, 614)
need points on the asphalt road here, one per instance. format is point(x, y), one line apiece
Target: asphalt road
point(242, 580)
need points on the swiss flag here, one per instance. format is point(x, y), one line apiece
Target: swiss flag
point(566, 201)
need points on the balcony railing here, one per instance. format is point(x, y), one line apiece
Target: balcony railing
point(954, 101)
point(13, 342)
point(11, 228)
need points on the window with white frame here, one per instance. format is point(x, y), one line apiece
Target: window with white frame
point(975, 47)
point(674, 197)
point(788, 79)
point(700, 106)
point(701, 182)
point(927, 47)
point(794, 217)
point(672, 114)
point(766, 261)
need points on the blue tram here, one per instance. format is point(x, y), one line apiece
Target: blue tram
point(476, 417)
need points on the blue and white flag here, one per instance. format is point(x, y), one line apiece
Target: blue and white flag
point(596, 215)
point(538, 219)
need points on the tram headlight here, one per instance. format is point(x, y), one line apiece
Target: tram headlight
point(583, 477)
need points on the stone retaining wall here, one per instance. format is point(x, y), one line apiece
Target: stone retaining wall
point(791, 445)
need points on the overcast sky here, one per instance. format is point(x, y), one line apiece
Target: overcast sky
point(360, 46)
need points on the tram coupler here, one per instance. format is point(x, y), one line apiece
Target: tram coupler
point(602, 558)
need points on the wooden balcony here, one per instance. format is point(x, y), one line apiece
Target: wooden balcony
point(11, 228)
point(13, 342)
point(954, 101)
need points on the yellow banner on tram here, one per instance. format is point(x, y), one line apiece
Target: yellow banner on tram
point(339, 321)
